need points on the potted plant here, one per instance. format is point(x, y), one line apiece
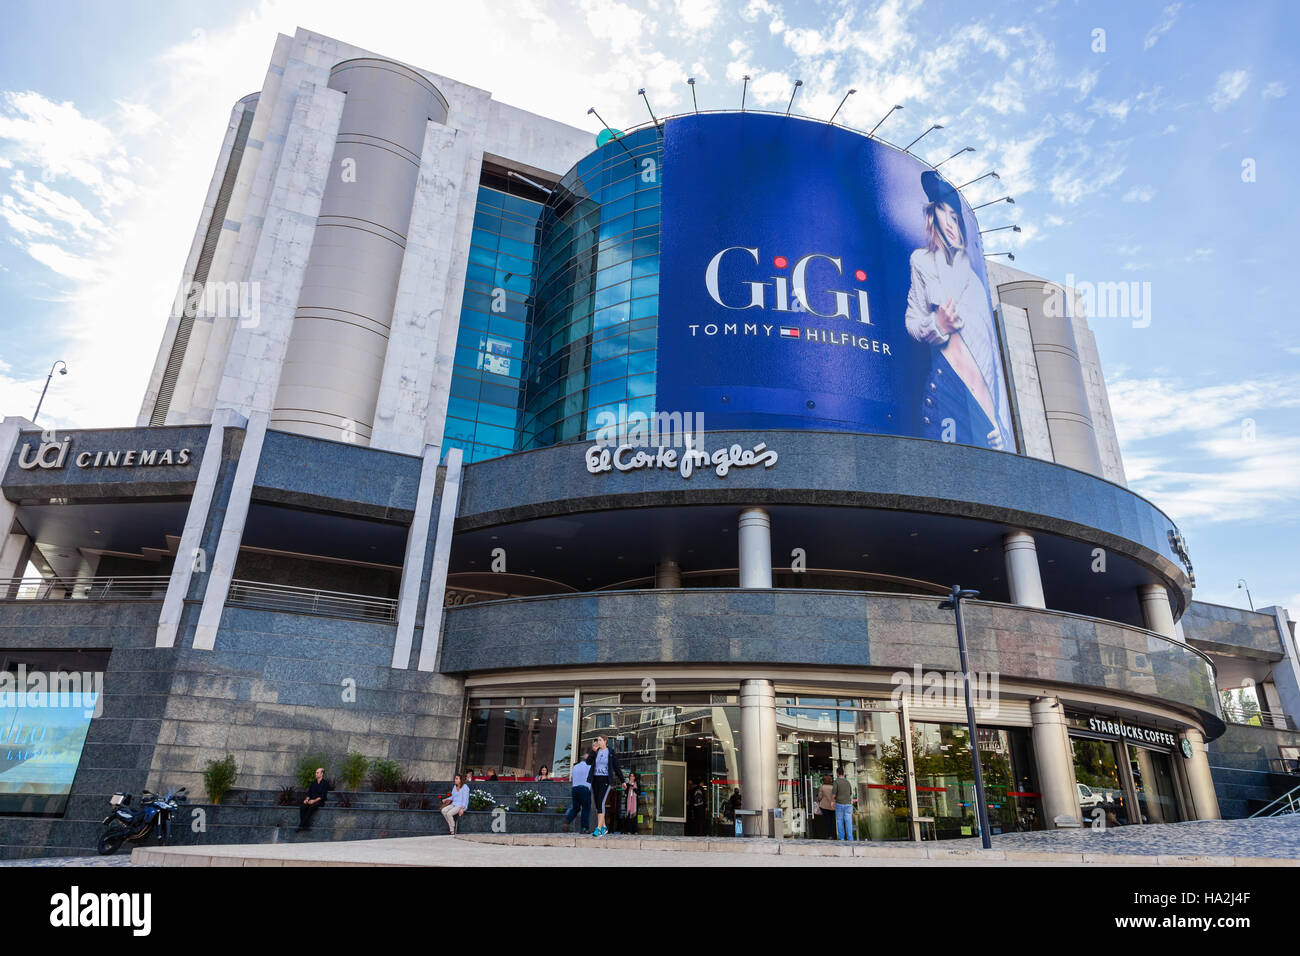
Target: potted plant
point(219, 778)
point(353, 770)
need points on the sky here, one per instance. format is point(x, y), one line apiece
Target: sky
point(1145, 143)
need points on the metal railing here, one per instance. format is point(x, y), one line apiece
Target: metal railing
point(113, 588)
point(282, 597)
point(1288, 803)
point(1275, 720)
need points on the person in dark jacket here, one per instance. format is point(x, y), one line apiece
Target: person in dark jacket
point(605, 774)
point(315, 798)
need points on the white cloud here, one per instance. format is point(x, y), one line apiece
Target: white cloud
point(696, 16)
point(1163, 26)
point(1229, 87)
point(1274, 90)
point(1140, 194)
point(59, 141)
point(1115, 110)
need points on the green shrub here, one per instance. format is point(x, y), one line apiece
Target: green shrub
point(385, 775)
point(307, 769)
point(219, 777)
point(354, 770)
point(481, 800)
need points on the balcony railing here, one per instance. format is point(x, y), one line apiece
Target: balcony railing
point(119, 588)
point(282, 597)
point(1257, 718)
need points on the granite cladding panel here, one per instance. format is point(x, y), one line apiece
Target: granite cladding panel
point(836, 469)
point(1231, 627)
point(296, 469)
point(783, 627)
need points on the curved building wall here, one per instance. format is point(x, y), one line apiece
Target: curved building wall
point(1060, 374)
point(332, 369)
point(595, 320)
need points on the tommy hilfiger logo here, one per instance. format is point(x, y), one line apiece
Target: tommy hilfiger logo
point(789, 293)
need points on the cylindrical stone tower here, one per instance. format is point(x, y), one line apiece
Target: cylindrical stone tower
point(329, 385)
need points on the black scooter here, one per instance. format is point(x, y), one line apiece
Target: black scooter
point(154, 815)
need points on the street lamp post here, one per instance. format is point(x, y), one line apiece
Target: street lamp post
point(1243, 586)
point(981, 805)
point(62, 371)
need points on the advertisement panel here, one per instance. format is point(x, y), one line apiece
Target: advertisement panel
point(811, 277)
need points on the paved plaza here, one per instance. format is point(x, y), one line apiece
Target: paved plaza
point(1264, 842)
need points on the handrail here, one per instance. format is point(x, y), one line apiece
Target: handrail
point(1277, 808)
point(1269, 719)
point(262, 594)
point(139, 587)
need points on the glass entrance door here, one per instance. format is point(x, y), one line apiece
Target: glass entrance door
point(1103, 799)
point(1153, 781)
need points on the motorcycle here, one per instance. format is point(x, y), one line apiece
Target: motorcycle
point(154, 815)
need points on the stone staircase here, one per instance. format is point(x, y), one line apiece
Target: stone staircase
point(255, 816)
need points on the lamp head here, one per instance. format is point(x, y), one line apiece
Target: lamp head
point(798, 83)
point(641, 92)
point(690, 80)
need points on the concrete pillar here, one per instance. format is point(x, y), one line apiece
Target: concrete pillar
point(15, 549)
point(758, 783)
point(1023, 574)
point(417, 541)
point(1060, 373)
point(221, 565)
point(668, 574)
point(1205, 804)
point(1055, 762)
point(188, 556)
point(333, 364)
point(431, 639)
point(755, 548)
point(1157, 614)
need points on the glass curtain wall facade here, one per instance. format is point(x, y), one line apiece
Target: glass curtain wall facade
point(595, 322)
point(515, 737)
point(488, 371)
point(945, 779)
point(685, 750)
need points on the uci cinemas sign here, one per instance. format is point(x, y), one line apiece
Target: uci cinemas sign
point(54, 455)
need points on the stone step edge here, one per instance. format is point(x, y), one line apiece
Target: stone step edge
point(900, 851)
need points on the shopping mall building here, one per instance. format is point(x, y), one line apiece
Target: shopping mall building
point(470, 439)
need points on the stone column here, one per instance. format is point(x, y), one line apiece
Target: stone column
point(1055, 763)
point(417, 541)
point(1156, 611)
point(431, 638)
point(15, 549)
point(758, 783)
point(755, 548)
point(1023, 575)
point(221, 567)
point(668, 574)
point(1205, 801)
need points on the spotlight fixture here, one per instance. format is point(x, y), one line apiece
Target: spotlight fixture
point(797, 84)
point(921, 137)
point(978, 178)
point(883, 118)
point(840, 107)
point(993, 202)
point(743, 91)
point(964, 149)
point(691, 82)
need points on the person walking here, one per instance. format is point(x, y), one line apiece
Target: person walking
point(825, 809)
point(843, 793)
point(581, 793)
point(604, 774)
point(633, 789)
point(456, 803)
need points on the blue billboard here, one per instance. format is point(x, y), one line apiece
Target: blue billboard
point(811, 277)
